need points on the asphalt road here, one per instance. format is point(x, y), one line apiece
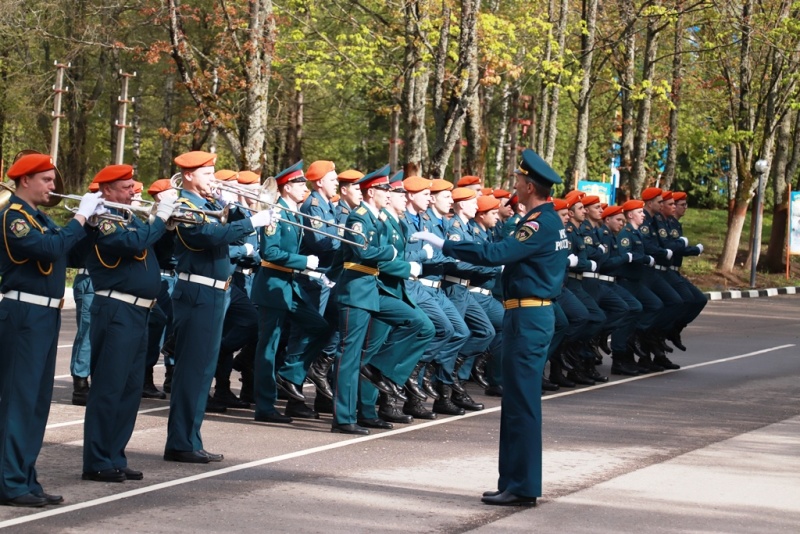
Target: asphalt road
point(713, 447)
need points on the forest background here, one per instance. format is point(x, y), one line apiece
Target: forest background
point(682, 94)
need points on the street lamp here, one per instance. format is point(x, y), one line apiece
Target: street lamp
point(761, 167)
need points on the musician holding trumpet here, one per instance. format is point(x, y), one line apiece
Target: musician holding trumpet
point(33, 264)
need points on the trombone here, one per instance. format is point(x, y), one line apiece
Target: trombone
point(147, 211)
point(183, 215)
point(265, 199)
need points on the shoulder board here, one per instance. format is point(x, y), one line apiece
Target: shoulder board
point(569, 229)
point(476, 230)
point(186, 202)
point(658, 217)
point(425, 216)
point(345, 210)
point(362, 210)
point(15, 207)
point(456, 224)
point(605, 232)
point(314, 201)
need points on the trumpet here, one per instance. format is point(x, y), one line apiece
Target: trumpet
point(146, 212)
point(183, 215)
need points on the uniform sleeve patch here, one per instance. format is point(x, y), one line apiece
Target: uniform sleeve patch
point(454, 237)
point(316, 223)
point(645, 229)
point(588, 240)
point(674, 234)
point(662, 232)
point(525, 232)
point(357, 227)
point(272, 229)
point(625, 242)
point(107, 227)
point(314, 201)
point(533, 225)
point(456, 224)
point(19, 227)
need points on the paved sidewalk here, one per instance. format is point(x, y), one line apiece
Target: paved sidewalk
point(750, 483)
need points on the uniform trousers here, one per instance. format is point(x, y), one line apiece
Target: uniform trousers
point(159, 324)
point(494, 311)
point(693, 299)
point(672, 304)
point(651, 304)
point(480, 327)
point(119, 344)
point(83, 294)
point(621, 335)
point(239, 329)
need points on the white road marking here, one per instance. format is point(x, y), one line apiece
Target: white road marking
point(339, 444)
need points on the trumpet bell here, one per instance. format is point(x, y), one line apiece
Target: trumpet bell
point(6, 190)
point(59, 179)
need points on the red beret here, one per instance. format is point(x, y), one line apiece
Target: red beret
point(335, 198)
point(468, 180)
point(588, 200)
point(678, 195)
point(666, 195)
point(318, 170)
point(463, 193)
point(487, 203)
point(611, 210)
point(501, 193)
point(137, 186)
point(196, 159)
point(224, 175)
point(486, 191)
point(560, 204)
point(439, 185)
point(573, 197)
point(632, 205)
point(159, 186)
point(94, 188)
point(248, 177)
point(112, 173)
point(415, 184)
point(350, 176)
point(650, 193)
point(30, 164)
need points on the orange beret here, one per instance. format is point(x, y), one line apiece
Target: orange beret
point(501, 193)
point(603, 205)
point(573, 197)
point(666, 195)
point(486, 191)
point(159, 186)
point(137, 186)
point(678, 195)
point(224, 175)
point(415, 184)
point(588, 200)
point(650, 193)
point(195, 159)
point(438, 185)
point(112, 173)
point(468, 180)
point(94, 188)
point(632, 205)
point(560, 204)
point(463, 193)
point(611, 210)
point(350, 176)
point(30, 164)
point(488, 203)
point(248, 177)
point(318, 170)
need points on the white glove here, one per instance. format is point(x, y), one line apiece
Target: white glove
point(428, 250)
point(430, 237)
point(89, 204)
point(630, 257)
point(263, 218)
point(249, 249)
point(652, 261)
point(700, 246)
point(602, 248)
point(594, 265)
point(165, 209)
point(94, 220)
point(312, 262)
point(685, 241)
point(573, 260)
point(416, 269)
point(669, 254)
point(327, 281)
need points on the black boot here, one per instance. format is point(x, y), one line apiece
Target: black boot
point(318, 374)
point(412, 384)
point(590, 370)
point(579, 376)
point(300, 410)
point(665, 362)
point(602, 343)
point(463, 400)
point(427, 385)
point(323, 405)
point(549, 386)
point(443, 404)
point(168, 378)
point(149, 390)
point(457, 386)
point(224, 395)
point(80, 390)
point(674, 337)
point(415, 408)
point(622, 364)
point(557, 374)
point(215, 406)
point(389, 411)
point(479, 369)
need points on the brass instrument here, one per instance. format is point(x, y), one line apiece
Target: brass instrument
point(146, 212)
point(265, 199)
point(6, 190)
point(181, 215)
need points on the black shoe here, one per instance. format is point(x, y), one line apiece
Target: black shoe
point(662, 343)
point(318, 374)
point(211, 456)
point(388, 411)
point(349, 429)
point(549, 386)
point(187, 457)
point(666, 363)
point(592, 373)
point(80, 390)
point(51, 499)
point(580, 378)
point(602, 343)
point(509, 499)
point(561, 381)
point(273, 417)
point(376, 423)
point(323, 405)
point(300, 410)
point(492, 493)
point(674, 337)
point(647, 364)
point(427, 384)
point(466, 402)
point(412, 386)
point(131, 474)
point(372, 374)
point(106, 475)
point(444, 404)
point(292, 390)
point(415, 408)
point(214, 406)
point(225, 396)
point(150, 391)
point(622, 368)
point(496, 391)
point(29, 500)
point(478, 372)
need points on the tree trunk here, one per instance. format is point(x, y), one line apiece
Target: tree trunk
point(257, 70)
point(668, 177)
point(165, 164)
point(294, 132)
point(439, 73)
point(732, 236)
point(503, 147)
point(645, 106)
point(577, 170)
point(415, 86)
point(542, 112)
point(394, 138)
point(627, 74)
point(552, 118)
point(781, 178)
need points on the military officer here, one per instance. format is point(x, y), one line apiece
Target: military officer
point(126, 278)
point(33, 264)
point(532, 277)
point(199, 301)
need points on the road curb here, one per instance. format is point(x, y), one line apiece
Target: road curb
point(751, 293)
